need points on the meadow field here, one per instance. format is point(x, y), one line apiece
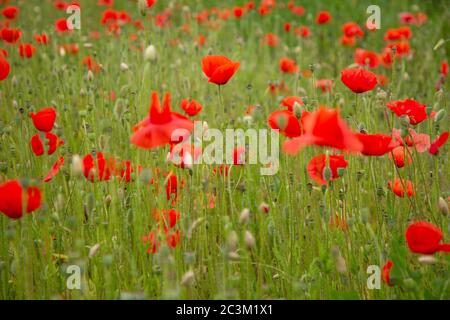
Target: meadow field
point(98, 200)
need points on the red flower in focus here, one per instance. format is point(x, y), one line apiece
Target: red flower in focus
point(439, 142)
point(37, 146)
point(99, 169)
point(415, 111)
point(359, 80)
point(11, 199)
point(10, 35)
point(317, 165)
point(26, 50)
point(386, 273)
point(323, 17)
point(54, 170)
point(398, 189)
point(376, 144)
point(4, 68)
point(288, 65)
point(366, 58)
point(219, 69)
point(10, 12)
point(44, 119)
point(424, 238)
point(324, 127)
point(191, 108)
point(157, 129)
point(290, 101)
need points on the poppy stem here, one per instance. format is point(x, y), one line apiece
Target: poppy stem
point(220, 102)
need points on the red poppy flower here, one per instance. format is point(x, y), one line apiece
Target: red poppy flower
point(402, 48)
point(387, 57)
point(317, 165)
point(26, 50)
point(302, 31)
point(399, 191)
point(61, 25)
point(191, 108)
point(11, 199)
point(386, 272)
point(184, 155)
point(238, 12)
point(90, 63)
point(271, 40)
point(359, 80)
point(152, 239)
point(157, 129)
point(323, 17)
point(324, 127)
point(347, 41)
point(424, 238)
point(99, 169)
point(4, 68)
point(366, 58)
point(44, 119)
point(167, 219)
point(10, 35)
point(444, 68)
point(42, 38)
point(415, 111)
point(172, 187)
point(420, 141)
point(325, 85)
point(37, 145)
point(10, 12)
point(219, 69)
point(376, 144)
point(287, 27)
point(285, 122)
point(173, 238)
point(288, 65)
point(401, 156)
point(352, 29)
point(126, 171)
point(290, 101)
point(439, 142)
point(54, 170)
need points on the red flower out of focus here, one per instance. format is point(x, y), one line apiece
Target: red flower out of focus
point(37, 145)
point(10, 35)
point(11, 199)
point(425, 238)
point(323, 17)
point(42, 38)
point(26, 50)
point(366, 58)
point(10, 12)
point(191, 108)
point(324, 127)
point(44, 119)
point(317, 165)
point(401, 156)
point(271, 40)
point(4, 68)
point(438, 143)
point(219, 69)
point(325, 85)
point(288, 65)
point(99, 169)
point(156, 130)
point(61, 26)
point(398, 189)
point(376, 144)
point(285, 122)
point(290, 101)
point(359, 80)
point(415, 111)
point(386, 272)
point(352, 29)
point(54, 170)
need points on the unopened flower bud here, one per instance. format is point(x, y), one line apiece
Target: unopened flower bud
point(245, 216)
point(188, 278)
point(77, 165)
point(90, 76)
point(264, 207)
point(124, 67)
point(439, 115)
point(282, 122)
point(249, 239)
point(443, 206)
point(150, 53)
point(232, 241)
point(297, 110)
point(327, 173)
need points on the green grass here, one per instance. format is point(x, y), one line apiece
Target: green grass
point(294, 256)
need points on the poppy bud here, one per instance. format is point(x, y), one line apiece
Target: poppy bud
point(439, 115)
point(14, 81)
point(327, 173)
point(264, 207)
point(108, 200)
point(150, 53)
point(94, 250)
point(245, 216)
point(142, 6)
point(124, 67)
point(189, 277)
point(90, 76)
point(404, 120)
point(341, 265)
point(119, 108)
point(409, 283)
point(249, 240)
point(77, 165)
point(233, 256)
point(443, 206)
point(381, 94)
point(232, 241)
point(427, 259)
point(281, 122)
point(340, 171)
point(297, 110)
